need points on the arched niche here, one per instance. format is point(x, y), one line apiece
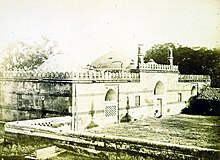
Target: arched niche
point(110, 95)
point(193, 91)
point(159, 88)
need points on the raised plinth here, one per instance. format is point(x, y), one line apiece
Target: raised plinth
point(103, 142)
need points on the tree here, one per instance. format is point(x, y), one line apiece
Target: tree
point(195, 60)
point(159, 52)
point(24, 56)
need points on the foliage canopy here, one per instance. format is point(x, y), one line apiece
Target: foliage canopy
point(191, 60)
point(25, 56)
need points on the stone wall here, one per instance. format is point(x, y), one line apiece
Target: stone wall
point(25, 99)
point(106, 146)
point(28, 95)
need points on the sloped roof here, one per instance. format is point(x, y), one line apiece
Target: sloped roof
point(112, 60)
point(59, 63)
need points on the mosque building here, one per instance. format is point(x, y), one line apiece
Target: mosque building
point(104, 91)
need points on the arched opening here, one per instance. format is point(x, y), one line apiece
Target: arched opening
point(159, 88)
point(110, 95)
point(193, 91)
point(110, 105)
point(159, 91)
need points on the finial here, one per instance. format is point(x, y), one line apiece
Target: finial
point(170, 56)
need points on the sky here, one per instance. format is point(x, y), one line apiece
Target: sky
point(87, 29)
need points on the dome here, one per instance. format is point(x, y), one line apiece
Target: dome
point(59, 63)
point(151, 61)
point(112, 60)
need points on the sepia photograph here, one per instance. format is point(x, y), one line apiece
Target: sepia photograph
point(109, 79)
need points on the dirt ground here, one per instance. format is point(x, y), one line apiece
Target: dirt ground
point(201, 131)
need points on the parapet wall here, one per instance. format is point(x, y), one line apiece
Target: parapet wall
point(158, 67)
point(101, 76)
point(194, 78)
point(89, 75)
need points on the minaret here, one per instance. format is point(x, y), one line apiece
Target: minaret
point(170, 56)
point(140, 55)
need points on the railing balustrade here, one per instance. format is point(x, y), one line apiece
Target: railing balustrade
point(96, 75)
point(158, 67)
point(91, 75)
point(194, 78)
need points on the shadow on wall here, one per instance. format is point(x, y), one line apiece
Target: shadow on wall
point(202, 107)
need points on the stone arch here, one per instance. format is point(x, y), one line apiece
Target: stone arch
point(110, 106)
point(193, 91)
point(159, 88)
point(110, 95)
point(159, 92)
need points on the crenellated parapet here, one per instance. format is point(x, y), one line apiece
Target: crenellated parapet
point(154, 67)
point(70, 76)
point(194, 78)
point(34, 75)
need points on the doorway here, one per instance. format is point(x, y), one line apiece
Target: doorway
point(159, 107)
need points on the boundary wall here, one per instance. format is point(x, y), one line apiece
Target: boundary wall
point(107, 143)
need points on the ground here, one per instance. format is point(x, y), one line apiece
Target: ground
point(201, 131)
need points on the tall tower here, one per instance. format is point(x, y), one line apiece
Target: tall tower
point(170, 56)
point(140, 55)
